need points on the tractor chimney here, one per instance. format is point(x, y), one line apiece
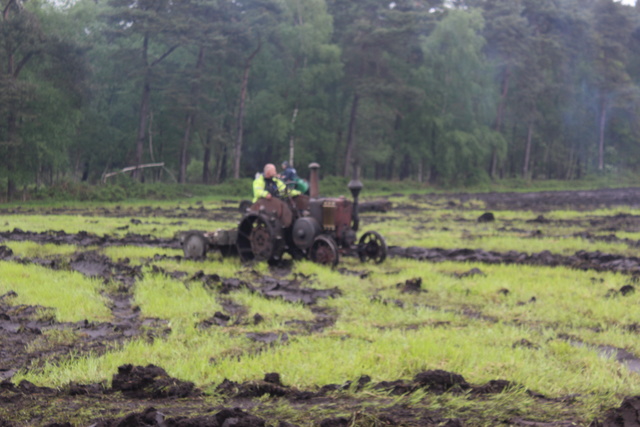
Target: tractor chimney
point(314, 191)
point(355, 186)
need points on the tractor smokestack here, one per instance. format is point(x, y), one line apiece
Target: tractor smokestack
point(355, 185)
point(314, 189)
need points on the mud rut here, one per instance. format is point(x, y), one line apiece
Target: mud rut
point(150, 387)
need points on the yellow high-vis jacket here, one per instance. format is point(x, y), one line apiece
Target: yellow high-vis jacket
point(259, 188)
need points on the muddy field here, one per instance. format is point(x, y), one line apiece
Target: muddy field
point(148, 396)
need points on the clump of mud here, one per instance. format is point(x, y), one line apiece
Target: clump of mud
point(171, 402)
point(439, 381)
point(434, 381)
point(93, 264)
point(150, 382)
point(411, 286)
point(287, 290)
point(5, 252)
point(627, 415)
point(24, 388)
point(269, 386)
point(151, 417)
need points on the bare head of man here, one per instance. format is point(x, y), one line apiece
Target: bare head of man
point(269, 170)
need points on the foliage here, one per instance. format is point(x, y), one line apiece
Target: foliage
point(450, 93)
point(123, 188)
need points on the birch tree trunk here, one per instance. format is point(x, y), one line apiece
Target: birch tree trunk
point(143, 111)
point(527, 152)
point(206, 161)
point(351, 137)
point(292, 137)
point(603, 121)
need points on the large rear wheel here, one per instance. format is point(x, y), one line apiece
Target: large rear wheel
point(258, 239)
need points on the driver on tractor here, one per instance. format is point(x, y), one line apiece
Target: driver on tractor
point(268, 185)
point(270, 194)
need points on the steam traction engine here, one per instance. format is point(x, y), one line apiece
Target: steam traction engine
point(317, 228)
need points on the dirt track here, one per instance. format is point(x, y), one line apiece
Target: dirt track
point(549, 200)
point(149, 397)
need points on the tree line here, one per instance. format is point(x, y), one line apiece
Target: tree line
point(441, 91)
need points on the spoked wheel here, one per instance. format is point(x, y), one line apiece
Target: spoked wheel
point(372, 247)
point(257, 239)
point(324, 251)
point(195, 246)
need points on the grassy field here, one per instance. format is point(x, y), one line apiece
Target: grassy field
point(471, 325)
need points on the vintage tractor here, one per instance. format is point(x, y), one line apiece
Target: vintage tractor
point(304, 226)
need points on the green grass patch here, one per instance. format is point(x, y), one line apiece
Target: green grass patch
point(104, 225)
point(160, 296)
point(510, 232)
point(434, 330)
point(72, 296)
point(52, 338)
point(28, 249)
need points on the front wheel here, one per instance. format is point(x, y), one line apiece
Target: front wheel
point(324, 251)
point(372, 247)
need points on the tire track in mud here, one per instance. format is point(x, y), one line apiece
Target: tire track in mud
point(269, 287)
point(541, 201)
point(414, 286)
point(95, 265)
point(581, 260)
point(127, 317)
point(84, 238)
point(127, 321)
point(223, 213)
point(25, 324)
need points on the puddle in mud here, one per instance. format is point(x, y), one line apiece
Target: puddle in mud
point(622, 356)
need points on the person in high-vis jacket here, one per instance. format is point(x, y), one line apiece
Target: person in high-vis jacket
point(268, 185)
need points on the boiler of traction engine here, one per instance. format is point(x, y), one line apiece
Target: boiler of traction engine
point(329, 216)
point(333, 216)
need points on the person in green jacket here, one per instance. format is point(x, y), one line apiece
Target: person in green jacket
point(268, 185)
point(292, 180)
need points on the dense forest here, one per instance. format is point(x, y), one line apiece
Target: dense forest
point(441, 91)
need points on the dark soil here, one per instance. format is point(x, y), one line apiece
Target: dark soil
point(170, 402)
point(546, 200)
point(84, 238)
point(148, 396)
point(229, 212)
